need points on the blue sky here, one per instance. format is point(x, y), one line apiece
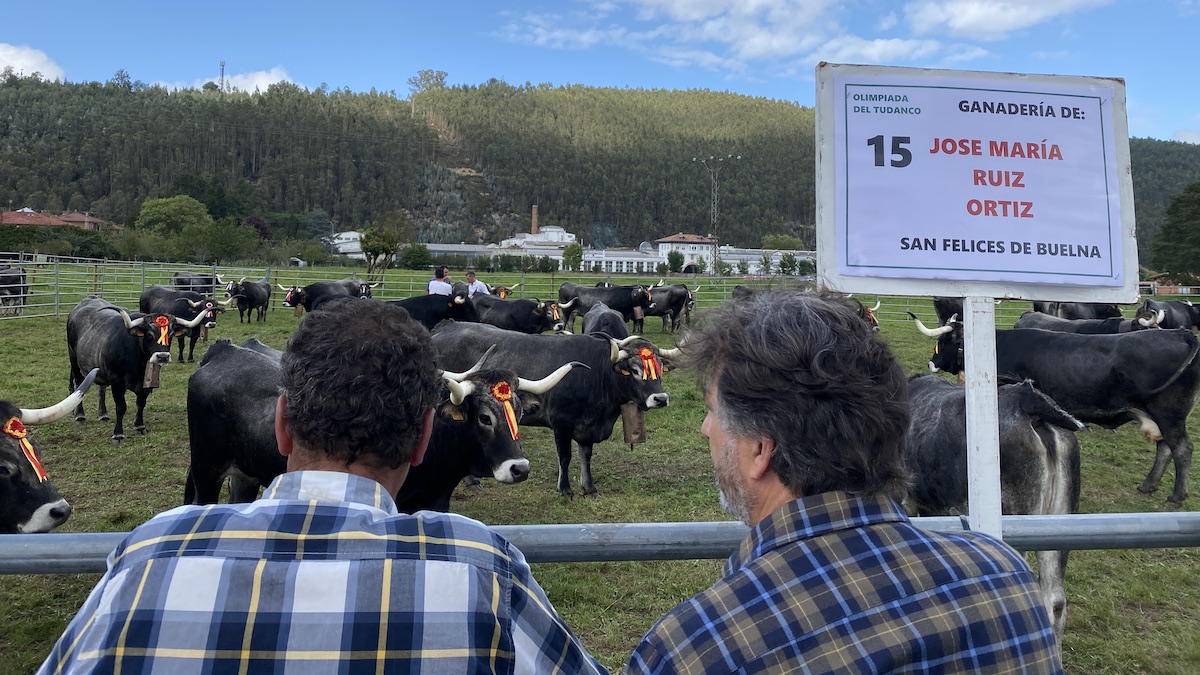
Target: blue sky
point(762, 48)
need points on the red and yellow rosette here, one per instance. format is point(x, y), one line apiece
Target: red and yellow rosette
point(651, 368)
point(164, 338)
point(503, 393)
point(14, 428)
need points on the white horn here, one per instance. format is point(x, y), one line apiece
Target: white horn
point(513, 286)
point(459, 299)
point(567, 305)
point(192, 303)
point(459, 377)
point(546, 383)
point(38, 416)
point(876, 307)
point(283, 288)
point(226, 302)
point(671, 353)
point(660, 282)
point(624, 342)
point(928, 332)
point(194, 322)
point(459, 391)
point(130, 323)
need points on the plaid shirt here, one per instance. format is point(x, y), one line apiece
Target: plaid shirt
point(321, 575)
point(838, 584)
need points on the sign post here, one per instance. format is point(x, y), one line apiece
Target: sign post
point(975, 185)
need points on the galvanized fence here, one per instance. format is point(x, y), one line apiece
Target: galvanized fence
point(613, 542)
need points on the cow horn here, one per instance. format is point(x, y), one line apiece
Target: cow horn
point(375, 284)
point(928, 332)
point(192, 303)
point(283, 288)
point(225, 303)
point(540, 305)
point(459, 377)
point(460, 299)
point(698, 286)
point(567, 305)
point(671, 353)
point(1158, 317)
point(660, 282)
point(193, 323)
point(241, 280)
point(616, 354)
point(513, 287)
point(38, 416)
point(218, 278)
point(459, 391)
point(624, 342)
point(130, 323)
point(546, 383)
point(876, 307)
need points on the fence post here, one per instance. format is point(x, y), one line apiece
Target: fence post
point(57, 313)
point(143, 274)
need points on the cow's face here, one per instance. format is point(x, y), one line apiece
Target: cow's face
point(948, 352)
point(154, 336)
point(233, 288)
point(294, 297)
point(548, 317)
point(641, 296)
point(210, 311)
point(639, 364)
point(28, 500)
point(1148, 316)
point(364, 290)
point(485, 419)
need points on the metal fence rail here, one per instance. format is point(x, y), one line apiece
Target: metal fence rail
point(76, 553)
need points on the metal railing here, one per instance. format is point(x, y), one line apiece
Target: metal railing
point(611, 542)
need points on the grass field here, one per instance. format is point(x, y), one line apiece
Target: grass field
point(1135, 611)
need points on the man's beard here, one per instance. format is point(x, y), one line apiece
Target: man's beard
point(734, 499)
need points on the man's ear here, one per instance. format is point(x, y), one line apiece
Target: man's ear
point(760, 459)
point(283, 432)
point(418, 454)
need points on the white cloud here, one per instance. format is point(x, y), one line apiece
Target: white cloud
point(1187, 136)
point(988, 19)
point(853, 49)
point(888, 22)
point(248, 82)
point(27, 60)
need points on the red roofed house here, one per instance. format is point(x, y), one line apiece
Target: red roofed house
point(28, 216)
point(692, 246)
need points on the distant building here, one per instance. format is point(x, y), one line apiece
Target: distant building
point(348, 244)
point(85, 221)
point(28, 216)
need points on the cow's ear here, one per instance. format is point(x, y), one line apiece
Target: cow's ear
point(138, 331)
point(531, 404)
point(180, 331)
point(451, 413)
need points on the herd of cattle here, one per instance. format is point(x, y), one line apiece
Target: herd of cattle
point(512, 362)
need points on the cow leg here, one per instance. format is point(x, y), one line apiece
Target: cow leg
point(118, 393)
point(1052, 570)
point(562, 442)
point(1174, 444)
point(139, 425)
point(585, 469)
point(102, 409)
point(203, 484)
point(242, 488)
point(667, 317)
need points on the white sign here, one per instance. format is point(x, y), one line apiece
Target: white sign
point(975, 181)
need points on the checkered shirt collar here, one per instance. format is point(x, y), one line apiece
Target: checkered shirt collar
point(810, 517)
point(331, 486)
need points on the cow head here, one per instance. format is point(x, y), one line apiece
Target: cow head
point(547, 316)
point(294, 296)
point(637, 361)
point(641, 297)
point(460, 308)
point(1149, 316)
point(29, 502)
point(154, 333)
point(364, 289)
point(234, 288)
point(503, 292)
point(207, 309)
point(487, 407)
point(948, 350)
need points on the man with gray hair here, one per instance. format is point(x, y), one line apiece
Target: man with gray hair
point(807, 411)
point(323, 575)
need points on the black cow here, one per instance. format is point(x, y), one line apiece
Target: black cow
point(185, 306)
point(28, 500)
point(430, 310)
point(1078, 310)
point(673, 303)
point(503, 292)
point(1148, 376)
point(1086, 326)
point(603, 319)
point(14, 288)
point(204, 284)
point(947, 309)
point(231, 412)
point(127, 350)
point(576, 300)
point(250, 295)
point(317, 293)
point(585, 407)
point(1169, 314)
point(1039, 463)
point(525, 316)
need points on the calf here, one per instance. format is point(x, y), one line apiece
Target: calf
point(29, 502)
point(127, 350)
point(1039, 463)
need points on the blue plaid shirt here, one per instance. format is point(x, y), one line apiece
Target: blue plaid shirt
point(321, 575)
point(837, 584)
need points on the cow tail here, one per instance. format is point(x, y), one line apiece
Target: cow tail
point(1182, 367)
point(1036, 403)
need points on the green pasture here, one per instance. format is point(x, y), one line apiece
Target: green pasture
point(1135, 611)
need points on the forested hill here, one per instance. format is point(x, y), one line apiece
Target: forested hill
point(614, 166)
